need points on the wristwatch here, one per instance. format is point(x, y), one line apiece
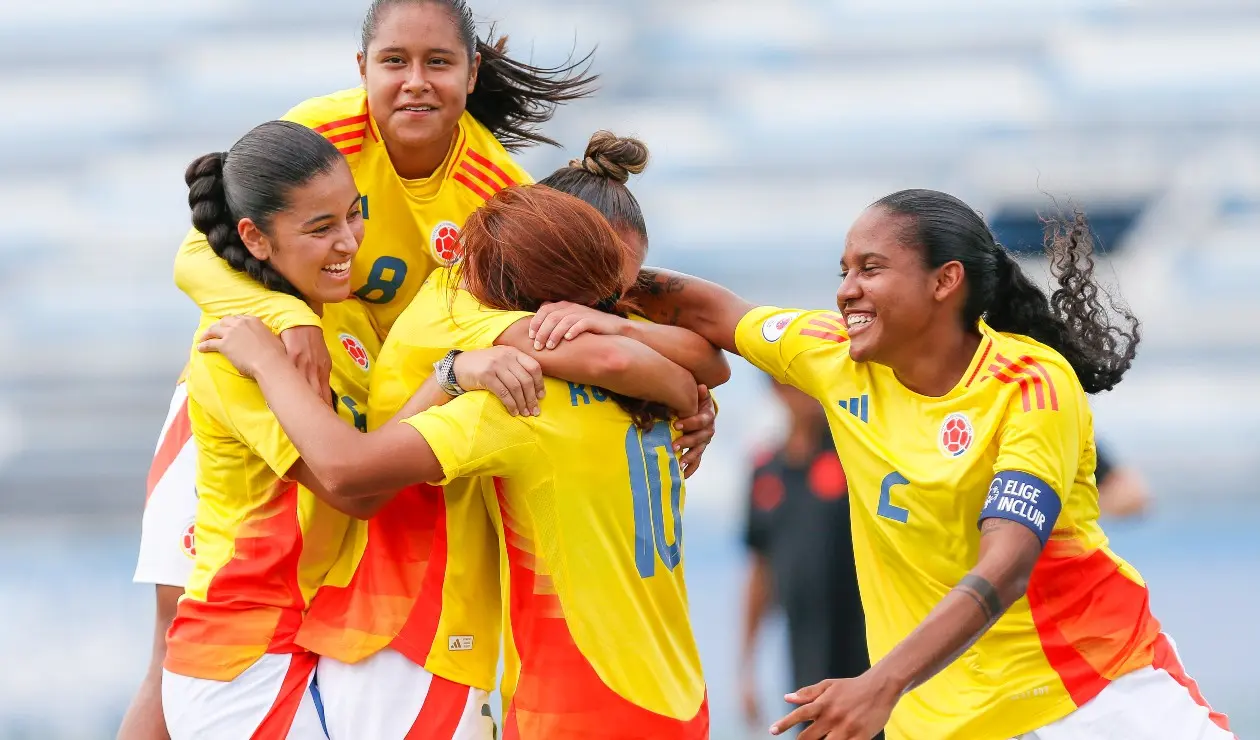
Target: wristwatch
point(444, 374)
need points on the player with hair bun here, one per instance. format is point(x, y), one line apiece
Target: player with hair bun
point(428, 137)
point(588, 495)
point(429, 577)
point(599, 177)
point(995, 608)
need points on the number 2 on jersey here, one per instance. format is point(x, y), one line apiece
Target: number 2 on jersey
point(647, 487)
point(887, 508)
point(383, 282)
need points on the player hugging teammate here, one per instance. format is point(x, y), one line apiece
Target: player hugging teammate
point(424, 152)
point(994, 607)
point(368, 532)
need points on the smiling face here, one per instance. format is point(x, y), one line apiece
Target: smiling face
point(313, 240)
point(418, 76)
point(888, 295)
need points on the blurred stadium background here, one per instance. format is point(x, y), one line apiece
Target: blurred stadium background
point(771, 126)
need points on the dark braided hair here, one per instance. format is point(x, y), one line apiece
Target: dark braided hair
point(1073, 320)
point(511, 98)
point(253, 180)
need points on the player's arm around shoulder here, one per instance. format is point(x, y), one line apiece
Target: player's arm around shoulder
point(234, 406)
point(616, 363)
point(474, 434)
point(218, 290)
point(794, 346)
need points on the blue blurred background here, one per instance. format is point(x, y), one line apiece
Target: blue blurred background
point(771, 126)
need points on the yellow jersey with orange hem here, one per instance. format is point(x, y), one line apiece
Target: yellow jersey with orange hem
point(1014, 439)
point(591, 515)
point(411, 227)
point(427, 584)
point(264, 544)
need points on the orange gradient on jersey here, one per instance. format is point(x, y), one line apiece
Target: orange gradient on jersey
point(1090, 647)
point(212, 636)
point(558, 693)
point(405, 554)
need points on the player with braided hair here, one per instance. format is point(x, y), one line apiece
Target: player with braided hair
point(589, 494)
point(279, 208)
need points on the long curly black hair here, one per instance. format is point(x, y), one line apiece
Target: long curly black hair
point(1095, 333)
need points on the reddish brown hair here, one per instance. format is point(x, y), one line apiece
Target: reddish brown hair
point(531, 245)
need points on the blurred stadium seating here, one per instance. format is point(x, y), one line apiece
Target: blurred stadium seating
point(771, 124)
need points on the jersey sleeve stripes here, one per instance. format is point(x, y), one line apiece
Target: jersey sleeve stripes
point(480, 175)
point(1012, 439)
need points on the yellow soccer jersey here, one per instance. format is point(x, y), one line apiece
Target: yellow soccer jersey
point(591, 512)
point(439, 319)
point(264, 544)
point(411, 226)
point(1013, 439)
point(429, 577)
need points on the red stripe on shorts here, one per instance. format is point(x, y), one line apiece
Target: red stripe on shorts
point(1166, 660)
point(439, 716)
point(279, 719)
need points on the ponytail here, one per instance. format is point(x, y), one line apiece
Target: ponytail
point(511, 98)
point(1073, 320)
point(253, 181)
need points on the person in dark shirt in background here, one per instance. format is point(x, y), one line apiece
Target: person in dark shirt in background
point(1122, 491)
point(800, 540)
point(802, 555)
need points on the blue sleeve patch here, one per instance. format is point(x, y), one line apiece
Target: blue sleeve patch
point(1027, 499)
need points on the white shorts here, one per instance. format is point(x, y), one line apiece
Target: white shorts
point(272, 700)
point(167, 543)
point(1156, 703)
point(388, 697)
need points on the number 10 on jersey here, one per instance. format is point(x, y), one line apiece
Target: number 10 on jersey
point(643, 453)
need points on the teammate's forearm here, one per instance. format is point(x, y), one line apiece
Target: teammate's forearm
point(1008, 552)
point(683, 347)
point(322, 439)
point(614, 363)
point(703, 307)
point(429, 394)
point(954, 625)
point(650, 376)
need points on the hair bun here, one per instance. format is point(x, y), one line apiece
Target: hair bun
point(614, 157)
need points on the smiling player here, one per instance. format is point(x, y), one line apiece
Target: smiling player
point(994, 607)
